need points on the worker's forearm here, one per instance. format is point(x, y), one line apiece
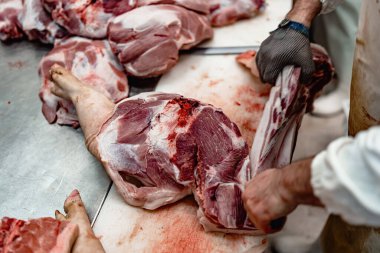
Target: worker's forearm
point(304, 11)
point(296, 180)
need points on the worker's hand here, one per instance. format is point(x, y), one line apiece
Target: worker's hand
point(266, 200)
point(282, 48)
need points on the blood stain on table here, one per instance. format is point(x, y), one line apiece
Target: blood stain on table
point(16, 64)
point(214, 82)
point(181, 230)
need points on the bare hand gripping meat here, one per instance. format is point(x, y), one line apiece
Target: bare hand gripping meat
point(158, 148)
point(70, 233)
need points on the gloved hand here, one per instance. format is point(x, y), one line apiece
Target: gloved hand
point(282, 48)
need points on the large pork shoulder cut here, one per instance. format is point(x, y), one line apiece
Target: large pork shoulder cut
point(225, 12)
point(92, 62)
point(171, 146)
point(84, 18)
point(147, 39)
point(38, 235)
point(70, 233)
point(10, 27)
point(158, 148)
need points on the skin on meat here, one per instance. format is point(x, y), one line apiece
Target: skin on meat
point(171, 154)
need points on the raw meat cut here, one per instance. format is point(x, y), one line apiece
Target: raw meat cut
point(225, 12)
point(10, 27)
point(289, 100)
point(65, 234)
point(118, 7)
point(38, 235)
point(200, 6)
point(158, 148)
point(147, 39)
point(93, 62)
point(37, 23)
point(85, 18)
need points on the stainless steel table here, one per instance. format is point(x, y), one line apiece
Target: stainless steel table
point(40, 164)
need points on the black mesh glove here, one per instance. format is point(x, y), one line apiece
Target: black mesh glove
point(282, 48)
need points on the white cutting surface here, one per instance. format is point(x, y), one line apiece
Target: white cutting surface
point(171, 229)
point(251, 31)
point(218, 80)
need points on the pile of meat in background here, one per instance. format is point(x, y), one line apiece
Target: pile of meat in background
point(103, 41)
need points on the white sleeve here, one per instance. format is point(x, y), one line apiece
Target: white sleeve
point(346, 178)
point(329, 5)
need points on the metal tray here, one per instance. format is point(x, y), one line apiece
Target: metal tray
point(40, 164)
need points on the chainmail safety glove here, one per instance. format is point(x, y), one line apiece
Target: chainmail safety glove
point(282, 48)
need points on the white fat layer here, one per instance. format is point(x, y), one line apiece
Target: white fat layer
point(162, 128)
point(78, 4)
point(146, 17)
point(30, 16)
point(137, 72)
point(10, 4)
point(244, 174)
point(113, 152)
point(237, 142)
point(33, 17)
point(242, 6)
point(286, 88)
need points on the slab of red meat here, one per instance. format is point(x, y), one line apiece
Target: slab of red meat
point(93, 62)
point(118, 7)
point(174, 146)
point(38, 24)
point(200, 6)
point(10, 27)
point(85, 18)
point(289, 100)
point(147, 39)
point(225, 12)
point(69, 233)
point(157, 148)
point(38, 235)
